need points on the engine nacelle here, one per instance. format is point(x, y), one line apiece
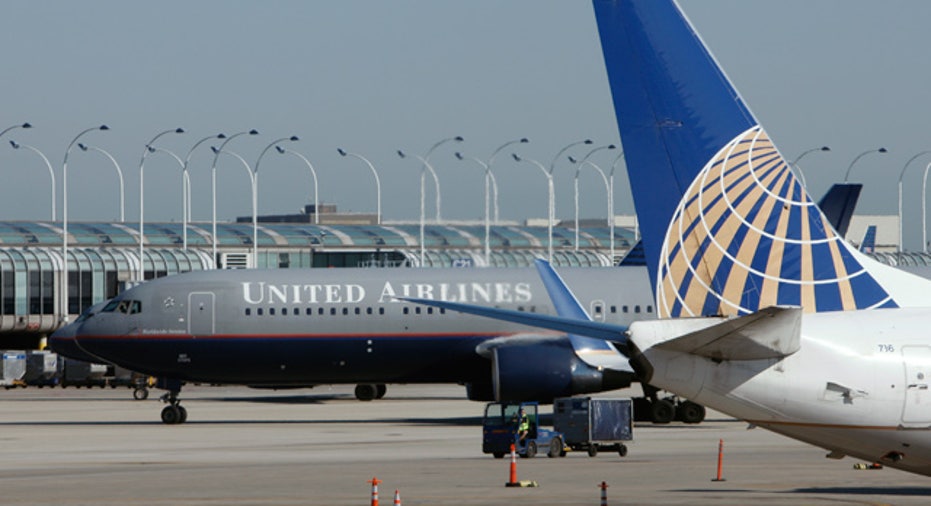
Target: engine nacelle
point(545, 370)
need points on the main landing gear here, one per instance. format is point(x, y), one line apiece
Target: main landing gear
point(370, 391)
point(174, 412)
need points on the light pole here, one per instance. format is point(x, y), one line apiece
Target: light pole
point(213, 184)
point(620, 156)
point(552, 200)
point(313, 175)
point(491, 161)
point(145, 153)
point(604, 177)
point(566, 148)
point(64, 221)
point(185, 182)
point(48, 164)
point(794, 163)
point(255, 197)
point(365, 160)
point(487, 222)
point(861, 155)
point(119, 174)
point(579, 164)
point(14, 127)
point(901, 175)
point(425, 166)
point(252, 182)
point(436, 180)
point(186, 178)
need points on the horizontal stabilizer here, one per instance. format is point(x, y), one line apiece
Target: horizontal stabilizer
point(598, 330)
point(773, 332)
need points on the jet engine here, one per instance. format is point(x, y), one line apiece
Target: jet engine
point(542, 371)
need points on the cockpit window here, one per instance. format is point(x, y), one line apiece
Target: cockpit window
point(110, 306)
point(135, 306)
point(125, 306)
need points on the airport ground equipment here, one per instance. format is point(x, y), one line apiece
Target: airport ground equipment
point(593, 424)
point(41, 368)
point(500, 431)
point(12, 368)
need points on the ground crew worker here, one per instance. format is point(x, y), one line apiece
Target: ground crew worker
point(523, 426)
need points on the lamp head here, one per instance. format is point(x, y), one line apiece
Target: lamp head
point(215, 150)
point(825, 148)
point(572, 160)
point(401, 153)
point(104, 127)
point(26, 125)
point(179, 130)
point(150, 149)
point(458, 138)
point(459, 155)
point(611, 146)
point(516, 158)
point(587, 141)
point(14, 144)
point(340, 151)
point(524, 140)
point(279, 149)
point(82, 146)
point(883, 150)
point(253, 132)
point(293, 138)
point(221, 135)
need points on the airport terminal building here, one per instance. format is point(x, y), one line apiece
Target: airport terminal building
point(104, 257)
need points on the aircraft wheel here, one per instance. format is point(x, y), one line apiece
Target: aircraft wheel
point(691, 412)
point(380, 390)
point(663, 411)
point(592, 451)
point(171, 415)
point(141, 394)
point(555, 448)
point(531, 450)
point(183, 413)
point(622, 450)
point(366, 392)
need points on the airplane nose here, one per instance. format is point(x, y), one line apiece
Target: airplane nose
point(63, 342)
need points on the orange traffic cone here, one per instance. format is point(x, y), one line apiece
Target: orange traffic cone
point(397, 497)
point(720, 460)
point(604, 493)
point(512, 482)
point(374, 481)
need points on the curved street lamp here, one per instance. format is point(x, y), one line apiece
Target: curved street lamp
point(365, 160)
point(185, 185)
point(48, 164)
point(425, 165)
point(566, 148)
point(487, 222)
point(186, 178)
point(119, 174)
point(213, 184)
point(14, 127)
point(491, 161)
point(794, 163)
point(255, 197)
point(252, 182)
point(313, 175)
point(579, 164)
point(436, 179)
point(64, 222)
point(901, 175)
point(551, 211)
point(861, 155)
point(145, 153)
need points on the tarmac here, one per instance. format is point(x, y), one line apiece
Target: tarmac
point(321, 447)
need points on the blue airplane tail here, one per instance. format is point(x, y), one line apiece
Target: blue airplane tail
point(727, 228)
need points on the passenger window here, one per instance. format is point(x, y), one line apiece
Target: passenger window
point(598, 309)
point(284, 310)
point(407, 310)
point(613, 309)
point(259, 311)
point(345, 311)
point(649, 309)
point(333, 311)
point(271, 311)
point(358, 310)
point(520, 308)
point(248, 311)
point(625, 309)
point(368, 310)
point(320, 311)
point(429, 310)
point(417, 309)
point(442, 310)
point(636, 309)
point(381, 310)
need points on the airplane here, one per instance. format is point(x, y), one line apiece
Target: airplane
point(766, 313)
point(303, 327)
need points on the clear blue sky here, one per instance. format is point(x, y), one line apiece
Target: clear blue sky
point(373, 77)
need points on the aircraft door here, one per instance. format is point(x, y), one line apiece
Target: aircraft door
point(201, 313)
point(917, 408)
point(597, 310)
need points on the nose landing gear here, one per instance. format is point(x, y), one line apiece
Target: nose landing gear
point(174, 412)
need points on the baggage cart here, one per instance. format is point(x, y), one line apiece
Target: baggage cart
point(594, 424)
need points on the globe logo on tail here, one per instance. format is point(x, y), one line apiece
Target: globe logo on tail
point(746, 236)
